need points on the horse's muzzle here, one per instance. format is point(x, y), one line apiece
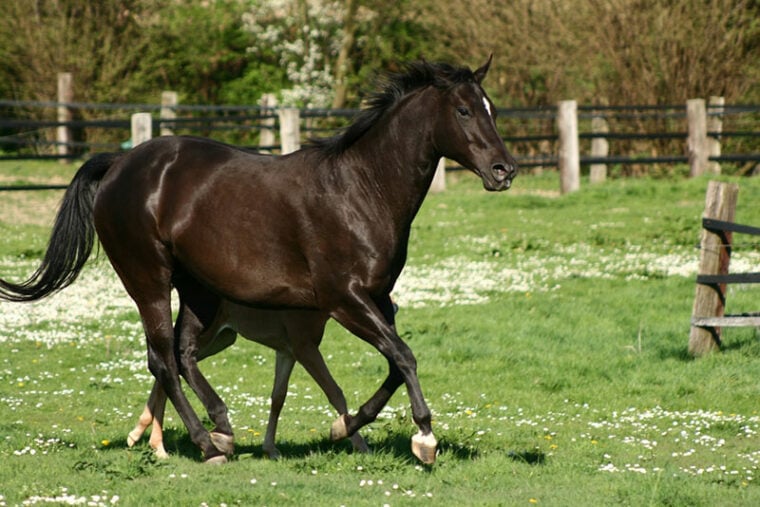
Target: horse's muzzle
point(502, 175)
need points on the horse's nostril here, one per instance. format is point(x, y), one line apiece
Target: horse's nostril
point(503, 171)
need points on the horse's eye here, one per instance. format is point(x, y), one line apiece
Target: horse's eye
point(463, 111)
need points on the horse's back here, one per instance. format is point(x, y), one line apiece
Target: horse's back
point(229, 215)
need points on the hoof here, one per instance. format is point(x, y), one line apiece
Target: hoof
point(272, 453)
point(133, 438)
point(424, 446)
point(216, 460)
point(359, 444)
point(225, 443)
point(339, 429)
point(160, 452)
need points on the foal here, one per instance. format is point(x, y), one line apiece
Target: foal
point(295, 335)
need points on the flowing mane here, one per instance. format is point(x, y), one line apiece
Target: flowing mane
point(416, 75)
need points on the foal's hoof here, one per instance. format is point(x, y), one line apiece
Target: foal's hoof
point(216, 460)
point(339, 429)
point(225, 443)
point(272, 452)
point(160, 452)
point(133, 438)
point(424, 446)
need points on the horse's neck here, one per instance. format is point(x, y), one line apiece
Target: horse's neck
point(397, 160)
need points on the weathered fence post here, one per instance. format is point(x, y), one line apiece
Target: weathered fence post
point(65, 96)
point(142, 128)
point(169, 101)
point(714, 126)
point(709, 300)
point(290, 130)
point(696, 144)
point(600, 147)
point(569, 158)
point(439, 179)
point(266, 135)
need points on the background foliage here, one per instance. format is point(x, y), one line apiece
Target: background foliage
point(320, 52)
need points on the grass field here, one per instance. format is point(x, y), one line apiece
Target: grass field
point(550, 333)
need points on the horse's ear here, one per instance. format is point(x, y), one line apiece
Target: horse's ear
point(480, 74)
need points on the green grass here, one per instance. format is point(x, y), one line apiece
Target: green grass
point(570, 387)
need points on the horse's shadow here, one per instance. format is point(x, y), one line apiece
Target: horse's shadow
point(396, 445)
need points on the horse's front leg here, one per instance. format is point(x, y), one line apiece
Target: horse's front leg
point(374, 324)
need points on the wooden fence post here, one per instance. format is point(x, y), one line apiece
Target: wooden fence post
point(290, 130)
point(600, 147)
point(142, 128)
point(714, 126)
point(569, 158)
point(439, 179)
point(709, 300)
point(696, 144)
point(169, 101)
point(266, 135)
point(65, 96)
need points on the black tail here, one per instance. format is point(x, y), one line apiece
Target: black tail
point(71, 239)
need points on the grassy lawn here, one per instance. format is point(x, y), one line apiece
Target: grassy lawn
point(550, 333)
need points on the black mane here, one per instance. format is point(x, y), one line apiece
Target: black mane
point(396, 85)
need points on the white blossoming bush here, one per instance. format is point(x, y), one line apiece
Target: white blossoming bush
point(305, 43)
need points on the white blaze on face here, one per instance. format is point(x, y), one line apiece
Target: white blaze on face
point(487, 106)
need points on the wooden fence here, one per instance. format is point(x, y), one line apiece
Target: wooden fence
point(708, 314)
point(567, 136)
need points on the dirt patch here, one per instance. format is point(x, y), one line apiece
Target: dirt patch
point(30, 207)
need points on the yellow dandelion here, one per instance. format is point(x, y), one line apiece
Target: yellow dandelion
point(532, 500)
point(105, 442)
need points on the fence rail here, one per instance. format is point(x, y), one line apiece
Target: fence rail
point(703, 134)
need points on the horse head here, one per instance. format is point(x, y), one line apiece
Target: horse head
point(466, 129)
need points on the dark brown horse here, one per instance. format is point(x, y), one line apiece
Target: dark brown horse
point(324, 228)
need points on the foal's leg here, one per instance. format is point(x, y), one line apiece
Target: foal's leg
point(152, 414)
point(373, 323)
point(283, 368)
point(314, 363)
point(305, 332)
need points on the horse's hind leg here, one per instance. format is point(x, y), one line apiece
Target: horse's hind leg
point(149, 285)
point(198, 308)
point(163, 364)
point(283, 368)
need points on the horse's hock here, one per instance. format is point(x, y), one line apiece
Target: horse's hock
point(718, 227)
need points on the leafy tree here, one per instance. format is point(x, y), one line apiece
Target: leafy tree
point(98, 42)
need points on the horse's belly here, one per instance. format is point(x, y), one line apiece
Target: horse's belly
point(252, 277)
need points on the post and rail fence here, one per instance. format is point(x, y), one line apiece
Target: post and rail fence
point(567, 136)
point(716, 245)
